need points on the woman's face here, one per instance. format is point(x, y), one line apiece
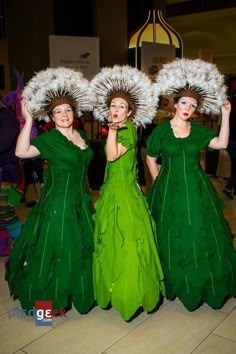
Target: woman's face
point(63, 115)
point(185, 107)
point(119, 110)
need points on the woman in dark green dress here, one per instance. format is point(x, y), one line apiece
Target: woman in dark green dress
point(195, 241)
point(52, 258)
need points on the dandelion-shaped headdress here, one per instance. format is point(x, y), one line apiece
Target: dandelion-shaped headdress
point(130, 84)
point(54, 86)
point(195, 78)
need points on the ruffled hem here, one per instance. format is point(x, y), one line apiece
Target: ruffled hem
point(52, 259)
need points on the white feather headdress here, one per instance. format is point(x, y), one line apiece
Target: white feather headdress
point(125, 81)
point(54, 83)
point(194, 75)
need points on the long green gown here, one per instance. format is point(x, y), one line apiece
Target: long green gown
point(52, 258)
point(127, 270)
point(195, 241)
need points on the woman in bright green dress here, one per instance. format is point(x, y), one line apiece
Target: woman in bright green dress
point(52, 258)
point(127, 270)
point(195, 241)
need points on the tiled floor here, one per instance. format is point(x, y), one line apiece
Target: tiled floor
point(170, 330)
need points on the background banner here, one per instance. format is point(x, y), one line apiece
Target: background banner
point(80, 53)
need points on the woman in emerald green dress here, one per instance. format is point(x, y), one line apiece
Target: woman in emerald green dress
point(195, 241)
point(52, 258)
point(127, 270)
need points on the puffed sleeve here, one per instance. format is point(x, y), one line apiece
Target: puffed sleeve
point(205, 135)
point(44, 144)
point(127, 136)
point(154, 143)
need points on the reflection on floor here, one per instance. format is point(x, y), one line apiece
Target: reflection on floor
point(170, 330)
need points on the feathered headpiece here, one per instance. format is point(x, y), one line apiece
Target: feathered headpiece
point(55, 86)
point(195, 78)
point(129, 83)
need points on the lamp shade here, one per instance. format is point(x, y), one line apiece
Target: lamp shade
point(155, 30)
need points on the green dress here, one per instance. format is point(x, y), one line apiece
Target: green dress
point(195, 241)
point(52, 258)
point(127, 270)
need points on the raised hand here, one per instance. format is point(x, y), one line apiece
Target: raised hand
point(226, 108)
point(27, 116)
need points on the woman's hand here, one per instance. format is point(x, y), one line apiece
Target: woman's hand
point(116, 125)
point(25, 112)
point(221, 141)
point(226, 107)
point(23, 148)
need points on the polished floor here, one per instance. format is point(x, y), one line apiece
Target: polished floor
point(170, 330)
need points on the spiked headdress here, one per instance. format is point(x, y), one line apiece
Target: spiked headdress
point(129, 83)
point(192, 78)
point(54, 86)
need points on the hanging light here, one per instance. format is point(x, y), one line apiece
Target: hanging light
point(155, 30)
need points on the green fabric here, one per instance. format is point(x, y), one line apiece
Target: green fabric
point(127, 270)
point(52, 258)
point(195, 240)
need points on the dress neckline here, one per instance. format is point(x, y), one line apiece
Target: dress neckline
point(71, 142)
point(179, 137)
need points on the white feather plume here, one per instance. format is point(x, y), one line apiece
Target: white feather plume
point(48, 83)
point(197, 75)
point(127, 79)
